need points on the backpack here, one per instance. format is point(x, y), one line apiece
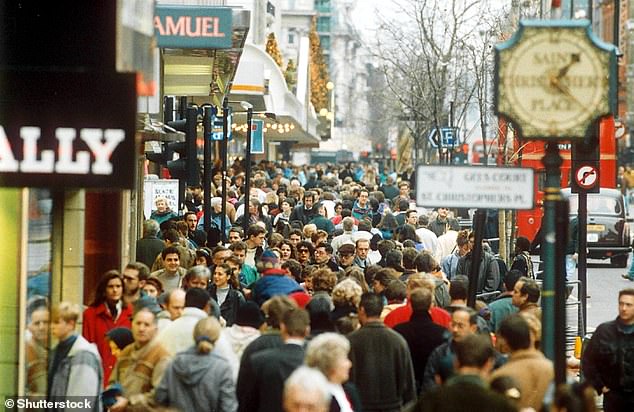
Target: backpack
point(503, 268)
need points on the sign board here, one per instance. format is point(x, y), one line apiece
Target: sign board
point(216, 127)
point(257, 137)
point(67, 129)
point(193, 27)
point(448, 137)
point(586, 177)
point(475, 187)
point(153, 188)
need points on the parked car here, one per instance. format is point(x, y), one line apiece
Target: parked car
point(608, 229)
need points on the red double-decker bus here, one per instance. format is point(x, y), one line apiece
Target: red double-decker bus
point(530, 155)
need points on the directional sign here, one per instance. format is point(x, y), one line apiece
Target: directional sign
point(448, 137)
point(586, 177)
point(216, 125)
point(475, 187)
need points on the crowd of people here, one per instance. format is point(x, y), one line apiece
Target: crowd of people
point(341, 295)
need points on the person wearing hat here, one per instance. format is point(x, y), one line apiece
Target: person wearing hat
point(274, 280)
point(345, 256)
point(118, 339)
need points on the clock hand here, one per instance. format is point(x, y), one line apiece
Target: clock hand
point(564, 90)
point(574, 58)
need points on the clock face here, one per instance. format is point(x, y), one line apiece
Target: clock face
point(554, 82)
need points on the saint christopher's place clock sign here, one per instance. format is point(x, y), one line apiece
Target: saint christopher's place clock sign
point(554, 78)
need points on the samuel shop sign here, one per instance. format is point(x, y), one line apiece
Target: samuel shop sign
point(185, 27)
point(67, 129)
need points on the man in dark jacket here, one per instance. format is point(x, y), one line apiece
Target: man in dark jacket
point(421, 333)
point(149, 246)
point(304, 212)
point(269, 368)
point(608, 361)
point(382, 366)
point(443, 222)
point(467, 390)
point(489, 274)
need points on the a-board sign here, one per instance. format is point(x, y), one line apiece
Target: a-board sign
point(475, 187)
point(153, 188)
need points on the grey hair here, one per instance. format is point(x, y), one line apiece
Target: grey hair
point(324, 351)
point(150, 227)
point(309, 379)
point(347, 223)
point(198, 271)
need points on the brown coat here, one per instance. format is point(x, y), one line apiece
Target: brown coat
point(532, 372)
point(139, 371)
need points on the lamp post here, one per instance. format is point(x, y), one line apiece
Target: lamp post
point(247, 168)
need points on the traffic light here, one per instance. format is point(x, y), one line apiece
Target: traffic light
point(186, 167)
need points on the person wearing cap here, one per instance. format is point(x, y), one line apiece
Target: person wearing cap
point(199, 378)
point(274, 280)
point(345, 256)
point(118, 339)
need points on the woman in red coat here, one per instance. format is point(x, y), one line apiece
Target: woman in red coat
point(107, 311)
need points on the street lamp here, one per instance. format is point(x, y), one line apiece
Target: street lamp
point(247, 168)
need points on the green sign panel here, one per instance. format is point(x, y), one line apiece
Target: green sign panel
point(186, 27)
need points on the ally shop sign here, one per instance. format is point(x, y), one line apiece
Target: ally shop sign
point(187, 27)
point(67, 129)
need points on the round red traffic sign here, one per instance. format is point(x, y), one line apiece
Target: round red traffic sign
point(586, 177)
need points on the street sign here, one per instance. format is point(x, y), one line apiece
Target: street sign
point(448, 137)
point(475, 187)
point(586, 177)
point(257, 137)
point(216, 125)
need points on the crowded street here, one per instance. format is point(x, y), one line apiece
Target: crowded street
point(317, 205)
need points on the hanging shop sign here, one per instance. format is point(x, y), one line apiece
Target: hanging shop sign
point(186, 27)
point(67, 129)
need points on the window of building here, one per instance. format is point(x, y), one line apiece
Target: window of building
point(291, 37)
point(323, 6)
point(323, 24)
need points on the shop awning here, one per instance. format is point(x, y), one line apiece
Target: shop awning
point(260, 81)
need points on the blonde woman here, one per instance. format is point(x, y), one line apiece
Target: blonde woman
point(199, 379)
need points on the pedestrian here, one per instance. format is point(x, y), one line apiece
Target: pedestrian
point(328, 353)
point(443, 222)
point(162, 213)
point(467, 390)
point(607, 362)
point(527, 366)
point(135, 274)
point(522, 260)
point(421, 333)
point(75, 369)
point(225, 290)
point(38, 317)
point(107, 311)
point(140, 366)
point(149, 246)
point(306, 390)
point(382, 366)
point(199, 379)
point(267, 370)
